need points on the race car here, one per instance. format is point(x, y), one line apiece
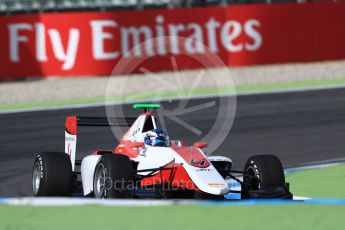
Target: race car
point(147, 164)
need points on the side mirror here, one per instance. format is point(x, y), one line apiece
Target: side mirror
point(136, 145)
point(200, 145)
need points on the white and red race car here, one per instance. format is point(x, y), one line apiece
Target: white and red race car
point(135, 170)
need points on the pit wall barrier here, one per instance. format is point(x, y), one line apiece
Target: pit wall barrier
point(92, 43)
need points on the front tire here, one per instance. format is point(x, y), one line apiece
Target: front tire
point(52, 174)
point(263, 172)
point(264, 178)
point(113, 177)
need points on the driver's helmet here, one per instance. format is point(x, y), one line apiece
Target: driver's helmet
point(156, 137)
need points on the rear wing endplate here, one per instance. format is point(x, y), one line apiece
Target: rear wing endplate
point(71, 127)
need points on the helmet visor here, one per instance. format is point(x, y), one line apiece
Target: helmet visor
point(159, 141)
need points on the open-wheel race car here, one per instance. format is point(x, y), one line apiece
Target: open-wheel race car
point(146, 164)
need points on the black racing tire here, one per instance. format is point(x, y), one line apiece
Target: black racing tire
point(113, 177)
point(52, 174)
point(263, 172)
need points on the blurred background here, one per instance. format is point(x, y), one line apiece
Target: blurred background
point(20, 6)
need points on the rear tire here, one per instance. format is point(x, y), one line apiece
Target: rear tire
point(113, 177)
point(263, 172)
point(52, 174)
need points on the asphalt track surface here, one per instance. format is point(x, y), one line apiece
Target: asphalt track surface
point(298, 127)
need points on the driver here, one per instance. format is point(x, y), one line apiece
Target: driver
point(157, 137)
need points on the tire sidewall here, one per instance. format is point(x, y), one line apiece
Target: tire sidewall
point(39, 160)
point(117, 168)
point(267, 169)
point(104, 193)
point(251, 165)
point(55, 174)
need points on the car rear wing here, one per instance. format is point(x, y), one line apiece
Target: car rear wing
point(71, 128)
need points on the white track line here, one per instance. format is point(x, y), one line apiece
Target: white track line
point(317, 164)
point(61, 201)
point(77, 106)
